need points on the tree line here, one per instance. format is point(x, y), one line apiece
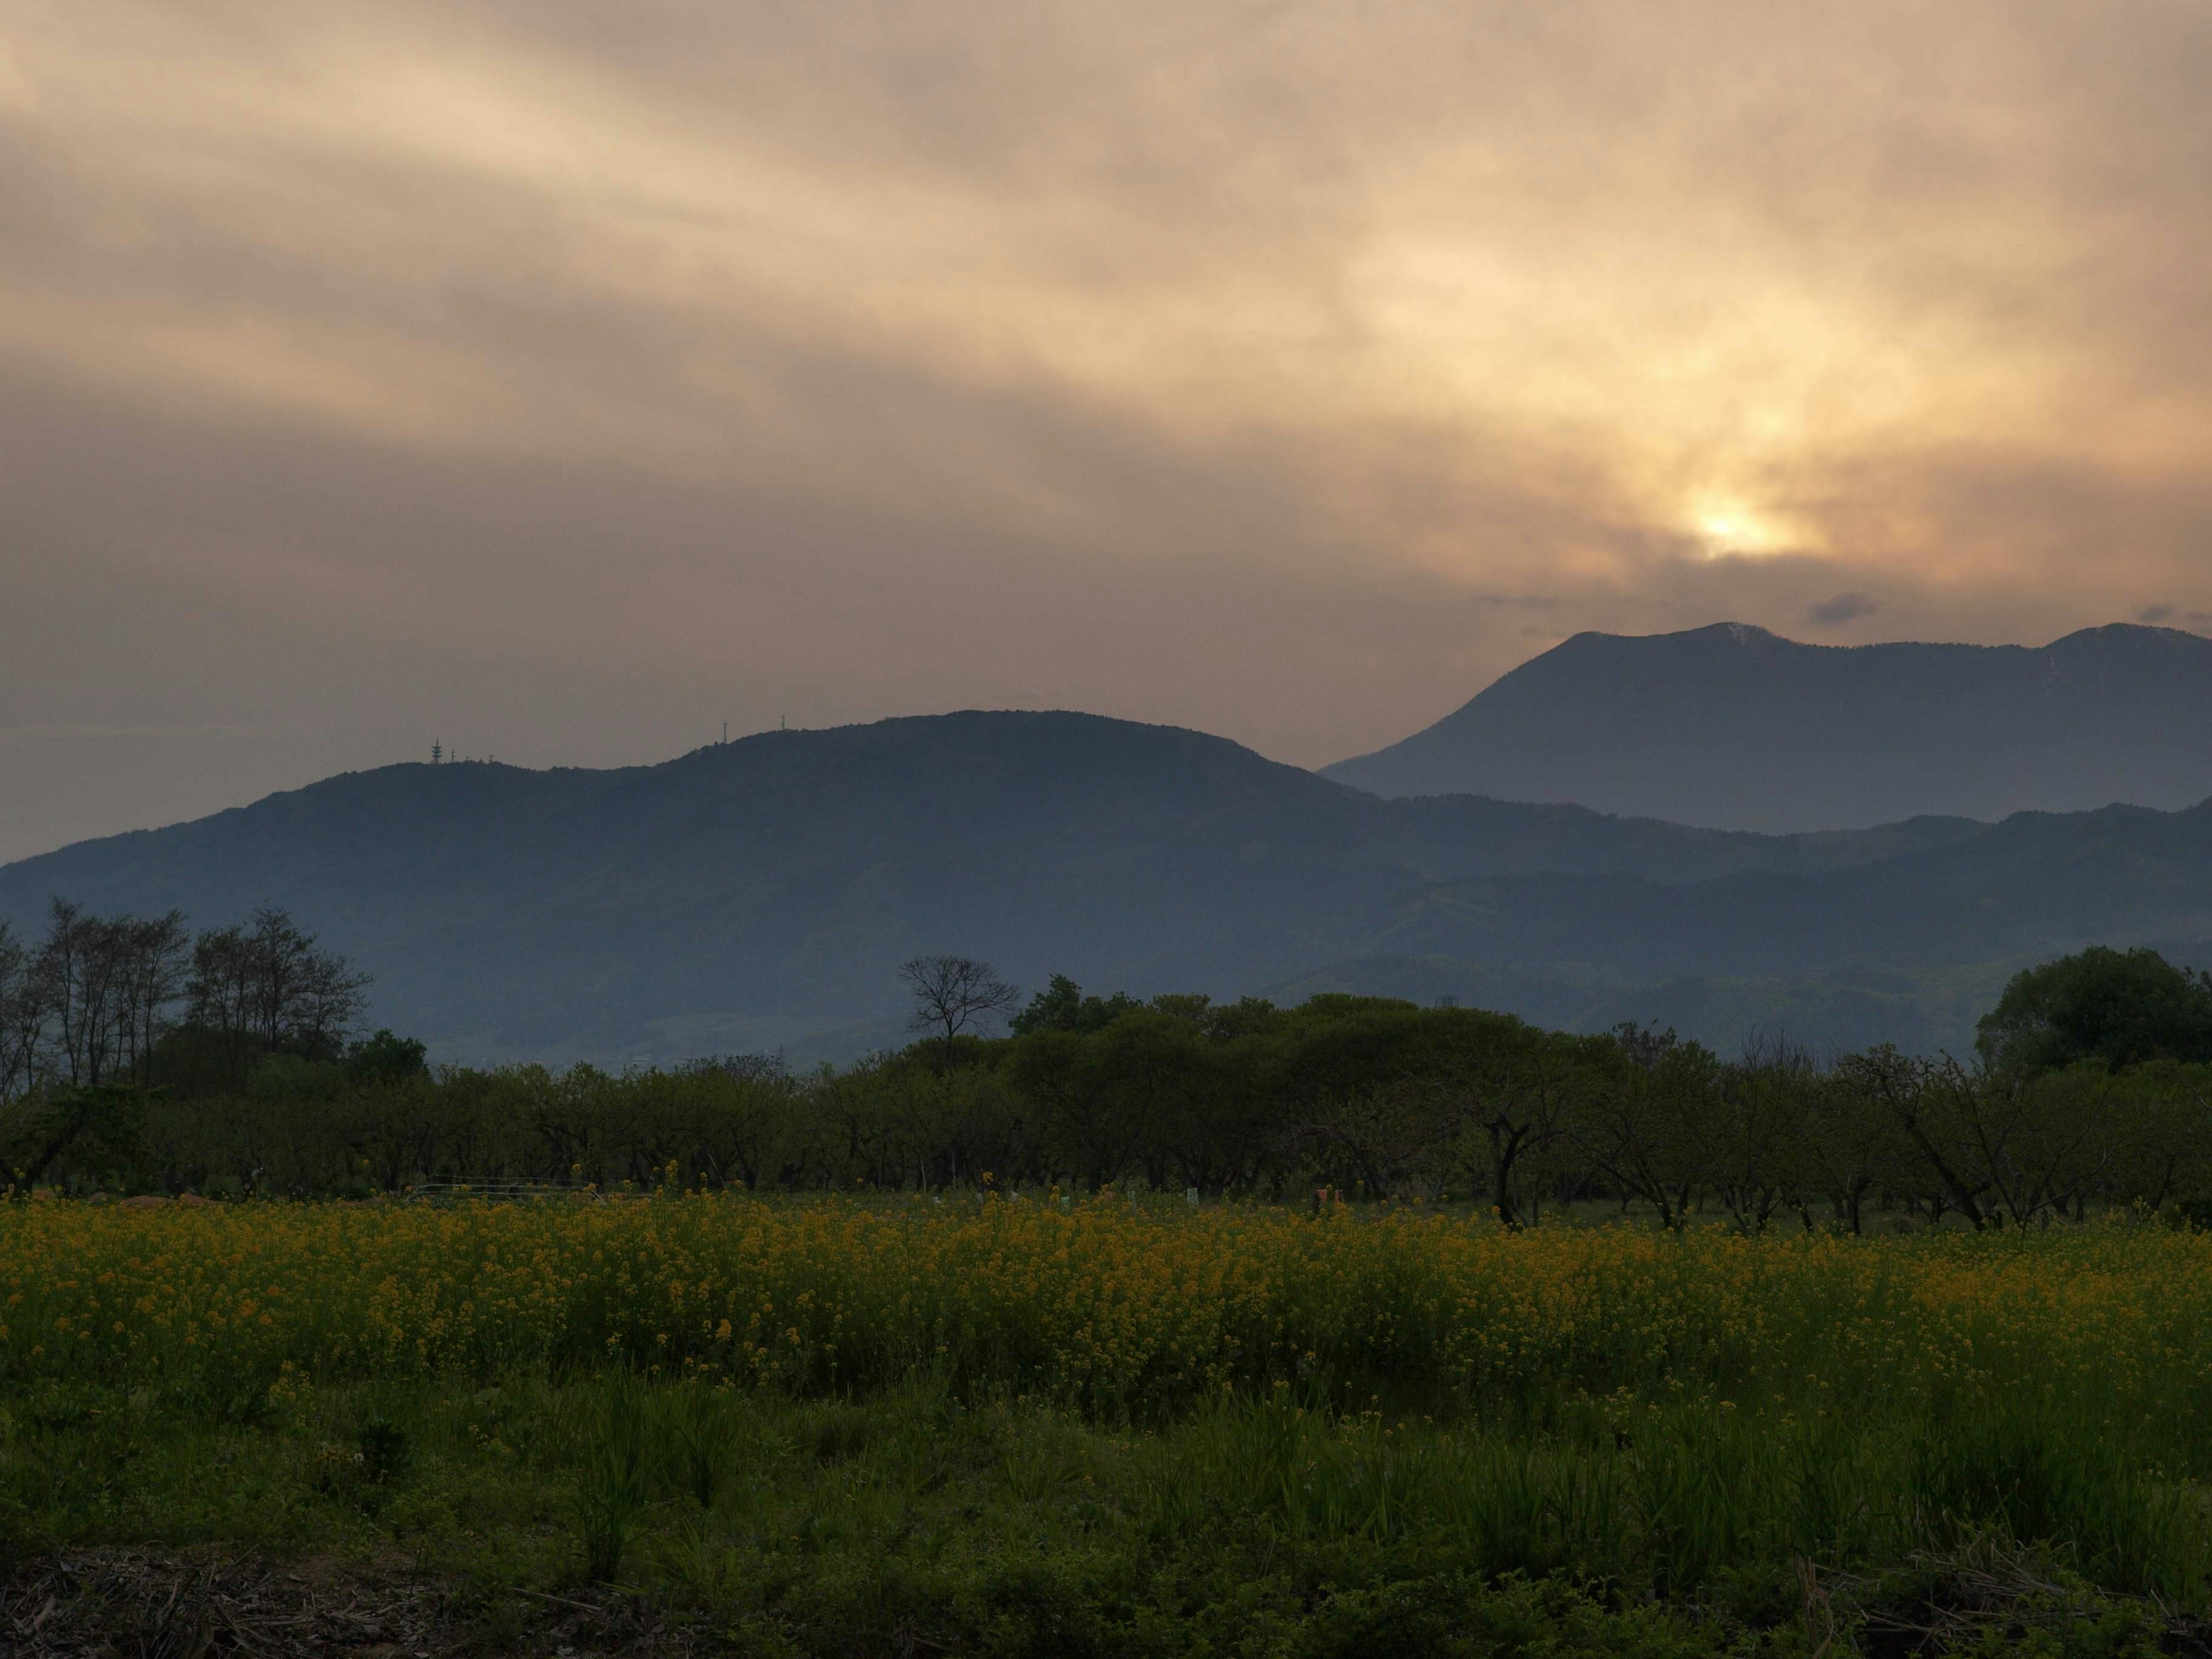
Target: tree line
point(142, 1057)
point(102, 1016)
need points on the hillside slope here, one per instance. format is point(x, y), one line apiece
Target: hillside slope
point(1733, 726)
point(762, 893)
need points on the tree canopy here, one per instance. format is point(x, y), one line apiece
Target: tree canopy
point(2117, 1007)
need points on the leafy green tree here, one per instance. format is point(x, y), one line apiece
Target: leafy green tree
point(1509, 1084)
point(1752, 1142)
point(1849, 1149)
point(2164, 1133)
point(1064, 1076)
point(86, 1130)
point(1062, 1006)
point(1920, 1100)
point(1645, 1094)
point(2043, 1141)
point(1162, 1085)
point(2118, 1008)
point(384, 1058)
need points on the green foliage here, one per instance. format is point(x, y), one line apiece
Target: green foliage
point(612, 1474)
point(384, 1058)
point(2117, 1007)
point(702, 1432)
point(297, 1079)
point(83, 1132)
point(1371, 1097)
point(1263, 1526)
point(1062, 1006)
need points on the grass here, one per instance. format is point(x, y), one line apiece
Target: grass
point(1311, 1436)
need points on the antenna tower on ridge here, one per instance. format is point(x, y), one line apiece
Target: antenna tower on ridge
point(437, 753)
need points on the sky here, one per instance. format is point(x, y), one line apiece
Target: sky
point(557, 381)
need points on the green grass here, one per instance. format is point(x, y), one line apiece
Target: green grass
point(910, 1521)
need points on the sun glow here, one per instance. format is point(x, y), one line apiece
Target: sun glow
point(1726, 528)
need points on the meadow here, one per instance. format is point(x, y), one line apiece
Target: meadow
point(973, 1423)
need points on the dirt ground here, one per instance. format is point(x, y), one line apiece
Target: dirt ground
point(140, 1604)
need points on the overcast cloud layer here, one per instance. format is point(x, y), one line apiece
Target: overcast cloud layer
point(558, 380)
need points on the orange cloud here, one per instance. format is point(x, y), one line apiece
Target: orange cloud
point(1378, 349)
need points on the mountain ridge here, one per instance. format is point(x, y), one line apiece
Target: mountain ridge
point(1730, 725)
point(761, 893)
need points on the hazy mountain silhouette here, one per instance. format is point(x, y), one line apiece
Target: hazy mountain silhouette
point(762, 892)
point(1734, 727)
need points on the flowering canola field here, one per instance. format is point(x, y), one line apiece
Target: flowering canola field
point(1105, 1308)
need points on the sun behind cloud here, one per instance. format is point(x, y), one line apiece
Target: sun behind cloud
point(1287, 371)
point(1729, 528)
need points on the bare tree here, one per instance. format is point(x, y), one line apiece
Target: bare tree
point(70, 986)
point(265, 987)
point(949, 993)
point(106, 985)
point(152, 952)
point(23, 1020)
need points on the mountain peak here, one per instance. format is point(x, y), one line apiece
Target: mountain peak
point(1734, 727)
point(760, 895)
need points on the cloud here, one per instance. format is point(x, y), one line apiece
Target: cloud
point(19, 94)
point(1844, 607)
point(2155, 613)
point(1290, 371)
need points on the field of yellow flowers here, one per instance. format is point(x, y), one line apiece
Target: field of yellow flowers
point(1104, 1307)
point(1003, 1425)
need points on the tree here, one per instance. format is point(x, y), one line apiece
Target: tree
point(1647, 1093)
point(1062, 1006)
point(1850, 1149)
point(2165, 1133)
point(100, 1124)
point(265, 988)
point(152, 950)
point(1161, 1087)
point(1507, 1081)
point(1753, 1143)
point(2118, 1008)
point(1921, 1100)
point(951, 992)
point(2043, 1141)
point(106, 985)
point(1059, 1075)
point(23, 1020)
point(384, 1058)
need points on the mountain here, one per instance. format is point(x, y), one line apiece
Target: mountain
point(761, 893)
point(1736, 727)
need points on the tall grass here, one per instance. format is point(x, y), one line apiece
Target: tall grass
point(1600, 1406)
point(1693, 1493)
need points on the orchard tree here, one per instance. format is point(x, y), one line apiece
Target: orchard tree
point(1648, 1096)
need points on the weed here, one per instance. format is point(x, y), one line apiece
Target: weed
point(610, 1482)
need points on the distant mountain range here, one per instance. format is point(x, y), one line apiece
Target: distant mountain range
point(760, 894)
point(1736, 727)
